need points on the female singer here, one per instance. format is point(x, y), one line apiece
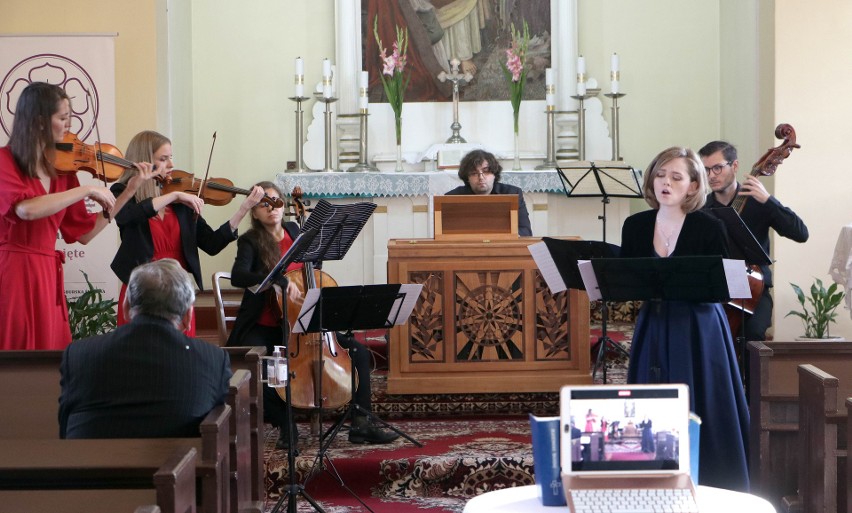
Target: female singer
point(259, 317)
point(155, 226)
point(35, 204)
point(689, 342)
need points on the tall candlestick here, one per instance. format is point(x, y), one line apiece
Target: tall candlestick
point(300, 77)
point(326, 78)
point(614, 74)
point(549, 88)
point(581, 76)
point(362, 93)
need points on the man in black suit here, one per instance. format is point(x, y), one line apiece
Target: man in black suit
point(145, 379)
point(480, 172)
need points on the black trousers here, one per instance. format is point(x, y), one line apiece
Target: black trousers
point(758, 322)
point(274, 408)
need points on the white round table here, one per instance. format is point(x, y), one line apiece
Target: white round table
point(525, 499)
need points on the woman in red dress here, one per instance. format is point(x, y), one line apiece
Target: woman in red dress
point(155, 226)
point(36, 203)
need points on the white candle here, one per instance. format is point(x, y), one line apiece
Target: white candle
point(300, 77)
point(326, 78)
point(581, 76)
point(362, 94)
point(549, 89)
point(581, 65)
point(614, 74)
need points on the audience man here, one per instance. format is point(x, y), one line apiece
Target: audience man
point(146, 379)
point(480, 172)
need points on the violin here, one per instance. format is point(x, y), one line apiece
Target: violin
point(766, 166)
point(321, 370)
point(214, 191)
point(104, 161)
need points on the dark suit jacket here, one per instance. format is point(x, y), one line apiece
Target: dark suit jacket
point(524, 226)
point(146, 379)
point(137, 247)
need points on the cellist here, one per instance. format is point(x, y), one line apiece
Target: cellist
point(259, 317)
point(761, 212)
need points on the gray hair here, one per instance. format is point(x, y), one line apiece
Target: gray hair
point(161, 288)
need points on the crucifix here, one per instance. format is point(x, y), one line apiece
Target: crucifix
point(456, 78)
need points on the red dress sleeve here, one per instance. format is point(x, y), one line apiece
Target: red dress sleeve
point(77, 220)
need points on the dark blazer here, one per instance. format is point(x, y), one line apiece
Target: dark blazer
point(137, 246)
point(249, 270)
point(524, 226)
point(146, 379)
point(760, 217)
point(701, 234)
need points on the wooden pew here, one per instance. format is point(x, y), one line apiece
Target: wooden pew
point(96, 475)
point(30, 380)
point(250, 358)
point(774, 409)
point(240, 444)
point(822, 443)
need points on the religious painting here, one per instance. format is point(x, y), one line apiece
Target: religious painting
point(473, 33)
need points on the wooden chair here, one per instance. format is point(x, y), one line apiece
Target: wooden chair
point(223, 306)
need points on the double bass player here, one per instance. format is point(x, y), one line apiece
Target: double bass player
point(760, 212)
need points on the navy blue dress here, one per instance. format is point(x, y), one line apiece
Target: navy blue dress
point(687, 342)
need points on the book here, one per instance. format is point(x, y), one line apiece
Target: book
point(546, 464)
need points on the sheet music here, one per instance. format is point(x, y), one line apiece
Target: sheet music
point(303, 320)
point(403, 306)
point(735, 274)
point(544, 260)
point(587, 272)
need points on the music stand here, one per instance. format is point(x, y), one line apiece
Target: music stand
point(293, 489)
point(742, 245)
point(359, 307)
point(706, 279)
point(564, 255)
point(334, 228)
point(603, 180)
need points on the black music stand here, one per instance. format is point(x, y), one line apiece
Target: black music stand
point(603, 180)
point(697, 278)
point(359, 307)
point(334, 229)
point(294, 254)
point(742, 245)
point(566, 254)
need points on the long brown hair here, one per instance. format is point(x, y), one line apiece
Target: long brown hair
point(267, 246)
point(31, 141)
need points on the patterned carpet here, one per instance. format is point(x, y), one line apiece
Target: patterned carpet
point(473, 443)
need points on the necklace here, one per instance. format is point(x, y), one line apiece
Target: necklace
point(668, 236)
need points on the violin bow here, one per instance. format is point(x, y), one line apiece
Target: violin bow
point(99, 156)
point(207, 172)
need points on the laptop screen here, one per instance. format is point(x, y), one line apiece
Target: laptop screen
point(624, 428)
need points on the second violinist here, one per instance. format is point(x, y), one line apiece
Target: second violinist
point(155, 226)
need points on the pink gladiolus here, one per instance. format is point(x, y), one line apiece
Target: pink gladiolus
point(513, 63)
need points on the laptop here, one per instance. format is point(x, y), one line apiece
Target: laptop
point(625, 439)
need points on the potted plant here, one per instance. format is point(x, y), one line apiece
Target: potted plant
point(91, 314)
point(818, 309)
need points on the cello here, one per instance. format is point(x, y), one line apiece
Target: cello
point(321, 370)
point(766, 166)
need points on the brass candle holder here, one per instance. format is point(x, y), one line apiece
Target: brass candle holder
point(616, 134)
point(550, 160)
point(327, 116)
point(363, 165)
point(581, 122)
point(300, 137)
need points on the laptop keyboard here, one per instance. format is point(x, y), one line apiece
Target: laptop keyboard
point(629, 500)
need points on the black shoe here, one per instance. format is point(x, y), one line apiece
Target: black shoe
point(369, 434)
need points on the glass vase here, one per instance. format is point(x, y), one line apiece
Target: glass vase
point(516, 165)
point(399, 168)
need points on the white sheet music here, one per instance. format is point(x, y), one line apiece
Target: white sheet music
point(735, 274)
point(544, 260)
point(590, 281)
point(405, 304)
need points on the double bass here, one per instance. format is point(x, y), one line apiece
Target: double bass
point(766, 166)
point(321, 370)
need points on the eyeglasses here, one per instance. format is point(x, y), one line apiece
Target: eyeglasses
point(717, 168)
point(480, 172)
